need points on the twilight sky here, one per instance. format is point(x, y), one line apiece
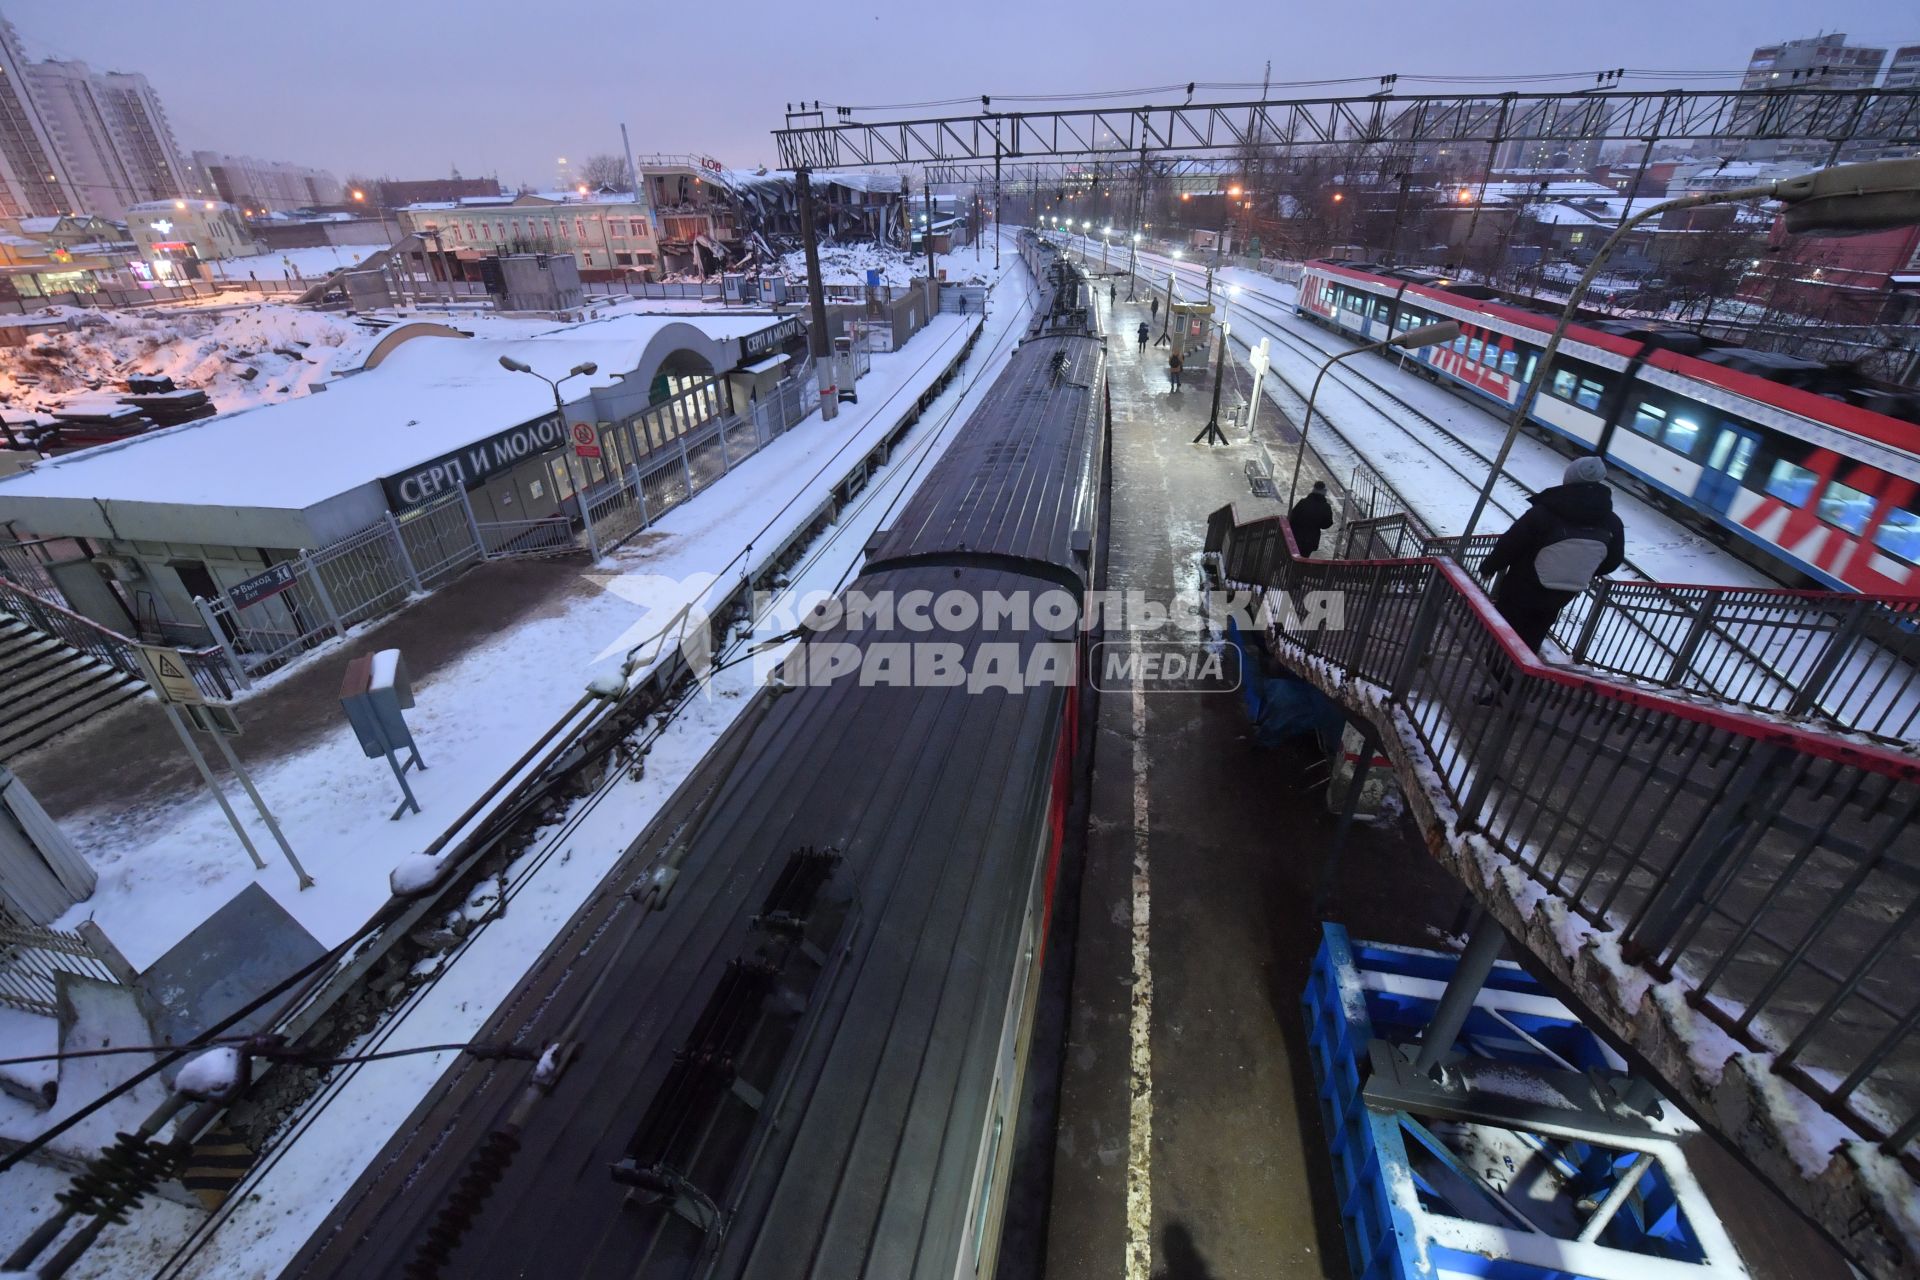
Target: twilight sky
point(405, 89)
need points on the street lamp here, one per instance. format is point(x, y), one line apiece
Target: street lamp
point(1847, 199)
point(1426, 335)
point(573, 461)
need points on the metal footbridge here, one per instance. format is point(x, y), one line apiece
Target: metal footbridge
point(1721, 867)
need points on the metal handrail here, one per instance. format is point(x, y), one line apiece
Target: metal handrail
point(1770, 869)
point(208, 666)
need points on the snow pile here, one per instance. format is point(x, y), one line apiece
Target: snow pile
point(247, 356)
point(849, 264)
point(211, 1076)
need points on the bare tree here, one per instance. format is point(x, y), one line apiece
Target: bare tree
point(606, 170)
point(372, 191)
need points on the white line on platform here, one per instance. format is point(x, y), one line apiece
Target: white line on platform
point(1139, 1058)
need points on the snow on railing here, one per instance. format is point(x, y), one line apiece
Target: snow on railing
point(1769, 871)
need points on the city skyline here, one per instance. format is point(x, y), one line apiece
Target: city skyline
point(503, 113)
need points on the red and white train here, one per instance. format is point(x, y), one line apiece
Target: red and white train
point(1807, 469)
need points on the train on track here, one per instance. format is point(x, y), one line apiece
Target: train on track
point(1799, 469)
point(806, 995)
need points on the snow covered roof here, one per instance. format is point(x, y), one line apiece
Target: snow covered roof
point(39, 226)
point(430, 396)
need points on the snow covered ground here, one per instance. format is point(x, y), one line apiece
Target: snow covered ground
point(318, 1161)
point(849, 264)
point(296, 264)
point(240, 356)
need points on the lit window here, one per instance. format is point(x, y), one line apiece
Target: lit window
point(1648, 419)
point(1899, 535)
point(1563, 384)
point(1509, 361)
point(1792, 485)
point(1473, 351)
point(1681, 435)
point(1848, 508)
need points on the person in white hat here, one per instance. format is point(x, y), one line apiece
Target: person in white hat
point(1567, 538)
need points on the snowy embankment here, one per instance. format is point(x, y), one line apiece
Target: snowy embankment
point(312, 264)
point(241, 358)
point(324, 1152)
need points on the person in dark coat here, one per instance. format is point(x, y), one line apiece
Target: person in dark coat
point(1309, 516)
point(1568, 537)
point(1155, 311)
point(1142, 335)
point(1175, 366)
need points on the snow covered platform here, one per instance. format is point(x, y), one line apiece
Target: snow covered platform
point(1534, 1168)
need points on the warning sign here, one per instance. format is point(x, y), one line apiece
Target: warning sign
point(585, 442)
point(166, 670)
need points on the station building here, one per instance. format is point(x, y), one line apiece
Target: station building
point(197, 509)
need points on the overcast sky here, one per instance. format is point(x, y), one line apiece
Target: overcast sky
point(407, 89)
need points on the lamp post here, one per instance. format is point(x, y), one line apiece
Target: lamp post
point(1426, 335)
point(573, 461)
point(1847, 198)
point(1133, 265)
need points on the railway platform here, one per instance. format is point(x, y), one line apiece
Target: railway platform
point(1188, 1143)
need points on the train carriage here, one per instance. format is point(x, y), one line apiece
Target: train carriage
point(1826, 488)
point(807, 1059)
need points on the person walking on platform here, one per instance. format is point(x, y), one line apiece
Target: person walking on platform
point(1113, 293)
point(1567, 538)
point(1309, 516)
point(1142, 334)
point(1175, 365)
point(1154, 312)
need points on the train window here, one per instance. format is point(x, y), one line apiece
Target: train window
point(1460, 343)
point(1564, 383)
point(1473, 351)
point(1899, 535)
point(1649, 419)
point(1681, 435)
point(1792, 485)
point(1532, 359)
point(1509, 361)
point(1846, 507)
point(1588, 396)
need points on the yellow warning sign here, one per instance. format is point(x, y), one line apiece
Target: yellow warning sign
point(166, 671)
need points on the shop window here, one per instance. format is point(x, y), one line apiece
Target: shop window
point(1847, 507)
point(1791, 484)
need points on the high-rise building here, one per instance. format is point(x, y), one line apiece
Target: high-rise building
point(33, 181)
point(1903, 71)
point(73, 139)
point(110, 133)
point(249, 183)
point(1811, 62)
point(1827, 61)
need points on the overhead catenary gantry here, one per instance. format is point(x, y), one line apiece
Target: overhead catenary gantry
point(1838, 116)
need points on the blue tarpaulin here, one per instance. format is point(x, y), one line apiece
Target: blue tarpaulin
point(1280, 705)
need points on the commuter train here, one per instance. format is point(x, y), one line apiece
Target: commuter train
point(807, 1059)
point(1804, 468)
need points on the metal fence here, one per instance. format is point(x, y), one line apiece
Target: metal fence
point(208, 666)
point(32, 958)
point(1846, 660)
point(1772, 872)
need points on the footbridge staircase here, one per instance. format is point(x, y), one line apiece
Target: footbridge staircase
point(1701, 824)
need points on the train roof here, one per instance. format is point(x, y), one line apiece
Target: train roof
point(1013, 487)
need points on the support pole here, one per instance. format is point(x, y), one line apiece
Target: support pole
point(1211, 433)
point(926, 236)
point(817, 341)
point(996, 208)
point(1349, 809)
point(1469, 975)
point(206, 775)
point(273, 825)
